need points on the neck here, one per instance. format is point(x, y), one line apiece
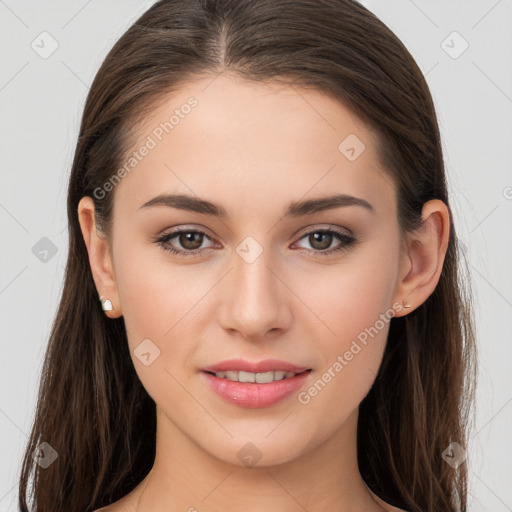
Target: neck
point(186, 477)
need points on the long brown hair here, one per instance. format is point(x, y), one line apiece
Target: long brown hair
point(93, 410)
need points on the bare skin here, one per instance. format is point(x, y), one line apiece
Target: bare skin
point(253, 148)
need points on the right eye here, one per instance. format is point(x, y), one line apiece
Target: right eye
point(189, 239)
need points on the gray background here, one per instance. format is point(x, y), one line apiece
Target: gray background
point(41, 100)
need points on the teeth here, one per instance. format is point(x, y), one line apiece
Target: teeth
point(264, 378)
point(232, 375)
point(246, 377)
point(261, 378)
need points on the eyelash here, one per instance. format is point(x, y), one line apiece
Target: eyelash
point(342, 237)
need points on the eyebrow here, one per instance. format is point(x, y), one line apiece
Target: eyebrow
point(294, 209)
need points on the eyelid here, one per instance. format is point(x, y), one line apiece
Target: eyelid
point(174, 230)
point(313, 228)
point(298, 234)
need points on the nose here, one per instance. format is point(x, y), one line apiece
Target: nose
point(256, 301)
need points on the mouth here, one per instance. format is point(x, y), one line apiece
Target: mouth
point(255, 385)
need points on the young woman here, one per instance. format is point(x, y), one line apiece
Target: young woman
point(258, 199)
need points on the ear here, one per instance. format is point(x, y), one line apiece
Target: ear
point(423, 256)
point(99, 256)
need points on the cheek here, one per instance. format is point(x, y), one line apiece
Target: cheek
point(156, 295)
point(157, 301)
point(353, 303)
point(346, 300)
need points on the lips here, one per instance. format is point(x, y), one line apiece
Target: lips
point(255, 385)
point(268, 365)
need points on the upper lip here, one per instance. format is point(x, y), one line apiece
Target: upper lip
point(268, 365)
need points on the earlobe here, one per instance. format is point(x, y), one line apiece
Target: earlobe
point(99, 259)
point(426, 251)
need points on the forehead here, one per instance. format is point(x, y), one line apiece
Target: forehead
point(224, 138)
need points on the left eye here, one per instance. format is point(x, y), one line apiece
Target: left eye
point(192, 240)
point(323, 238)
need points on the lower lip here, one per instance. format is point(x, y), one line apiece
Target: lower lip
point(254, 395)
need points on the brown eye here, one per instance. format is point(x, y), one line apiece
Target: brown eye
point(186, 242)
point(190, 240)
point(320, 240)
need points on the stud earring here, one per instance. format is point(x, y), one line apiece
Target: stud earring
point(406, 303)
point(106, 304)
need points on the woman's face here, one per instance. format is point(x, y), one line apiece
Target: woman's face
point(263, 281)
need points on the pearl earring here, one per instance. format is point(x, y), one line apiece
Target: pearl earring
point(106, 304)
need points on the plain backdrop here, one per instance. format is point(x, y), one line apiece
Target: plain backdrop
point(463, 47)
